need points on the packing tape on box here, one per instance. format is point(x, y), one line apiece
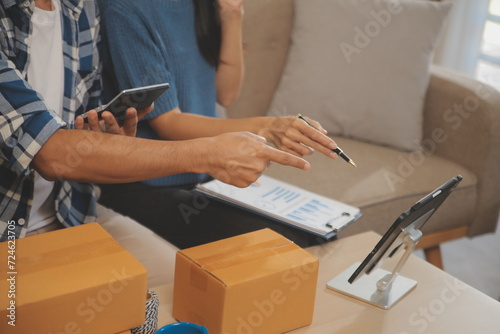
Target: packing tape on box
point(151, 324)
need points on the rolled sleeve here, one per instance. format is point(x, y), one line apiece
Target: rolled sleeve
point(34, 133)
point(25, 121)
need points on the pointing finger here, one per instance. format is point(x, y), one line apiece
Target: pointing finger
point(286, 159)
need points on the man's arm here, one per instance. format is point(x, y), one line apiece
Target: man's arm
point(27, 123)
point(88, 156)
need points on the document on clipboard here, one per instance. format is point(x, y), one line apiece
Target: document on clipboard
point(286, 203)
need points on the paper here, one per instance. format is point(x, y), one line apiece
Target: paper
point(287, 203)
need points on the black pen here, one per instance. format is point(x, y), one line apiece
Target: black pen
point(338, 150)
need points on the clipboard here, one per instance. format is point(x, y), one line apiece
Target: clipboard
point(287, 204)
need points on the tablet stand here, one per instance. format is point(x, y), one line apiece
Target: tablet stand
point(380, 288)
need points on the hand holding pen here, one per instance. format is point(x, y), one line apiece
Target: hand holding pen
point(337, 150)
point(297, 135)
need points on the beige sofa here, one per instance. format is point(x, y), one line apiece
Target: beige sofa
point(472, 149)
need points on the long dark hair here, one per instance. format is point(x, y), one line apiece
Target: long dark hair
point(208, 30)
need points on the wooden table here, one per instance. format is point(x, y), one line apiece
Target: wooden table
point(439, 304)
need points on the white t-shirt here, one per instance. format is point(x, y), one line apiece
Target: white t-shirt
point(46, 75)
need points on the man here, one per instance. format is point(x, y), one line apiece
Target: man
point(50, 73)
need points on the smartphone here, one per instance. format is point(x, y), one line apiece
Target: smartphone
point(139, 98)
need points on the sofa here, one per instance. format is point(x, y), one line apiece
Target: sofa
point(471, 149)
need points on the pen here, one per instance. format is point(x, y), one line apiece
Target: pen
point(338, 150)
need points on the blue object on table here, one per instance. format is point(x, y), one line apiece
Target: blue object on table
point(182, 328)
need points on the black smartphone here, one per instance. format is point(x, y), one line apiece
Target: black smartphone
point(139, 98)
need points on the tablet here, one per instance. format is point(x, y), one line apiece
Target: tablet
point(414, 217)
point(139, 98)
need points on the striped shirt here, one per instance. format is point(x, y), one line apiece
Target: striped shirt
point(26, 122)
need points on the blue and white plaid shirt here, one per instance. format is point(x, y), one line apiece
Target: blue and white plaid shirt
point(25, 121)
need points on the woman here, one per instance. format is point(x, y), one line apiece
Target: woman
point(196, 46)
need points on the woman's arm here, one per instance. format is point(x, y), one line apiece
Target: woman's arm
point(287, 133)
point(231, 69)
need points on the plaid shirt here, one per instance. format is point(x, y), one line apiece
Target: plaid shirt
point(25, 121)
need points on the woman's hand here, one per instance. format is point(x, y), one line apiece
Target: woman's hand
point(293, 135)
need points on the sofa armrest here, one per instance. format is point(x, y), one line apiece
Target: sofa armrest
point(462, 124)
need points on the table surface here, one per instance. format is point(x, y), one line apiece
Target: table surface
point(439, 304)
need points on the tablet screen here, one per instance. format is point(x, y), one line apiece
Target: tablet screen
point(415, 217)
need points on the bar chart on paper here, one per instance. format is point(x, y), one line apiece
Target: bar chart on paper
point(286, 203)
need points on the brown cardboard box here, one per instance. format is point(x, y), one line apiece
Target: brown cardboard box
point(259, 282)
point(72, 281)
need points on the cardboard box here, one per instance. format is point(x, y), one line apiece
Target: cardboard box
point(259, 282)
point(72, 281)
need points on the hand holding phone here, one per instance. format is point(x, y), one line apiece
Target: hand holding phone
point(138, 98)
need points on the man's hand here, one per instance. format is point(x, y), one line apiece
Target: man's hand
point(109, 123)
point(293, 135)
point(239, 158)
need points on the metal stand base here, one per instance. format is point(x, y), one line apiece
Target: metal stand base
point(380, 288)
point(365, 288)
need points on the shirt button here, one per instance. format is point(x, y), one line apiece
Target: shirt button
point(25, 3)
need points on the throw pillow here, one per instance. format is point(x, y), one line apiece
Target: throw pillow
point(361, 67)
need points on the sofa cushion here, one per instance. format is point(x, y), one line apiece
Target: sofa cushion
point(361, 67)
point(385, 183)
